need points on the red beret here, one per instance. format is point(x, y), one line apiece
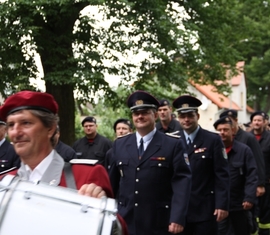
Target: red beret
point(28, 100)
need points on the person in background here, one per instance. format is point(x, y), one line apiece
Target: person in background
point(150, 173)
point(166, 123)
point(243, 181)
point(8, 156)
point(92, 145)
point(122, 126)
point(209, 200)
point(64, 150)
point(263, 137)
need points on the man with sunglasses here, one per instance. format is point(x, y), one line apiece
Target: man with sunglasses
point(210, 173)
point(150, 173)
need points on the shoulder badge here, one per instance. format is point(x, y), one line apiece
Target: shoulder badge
point(83, 161)
point(172, 135)
point(186, 158)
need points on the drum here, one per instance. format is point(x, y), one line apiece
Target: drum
point(31, 209)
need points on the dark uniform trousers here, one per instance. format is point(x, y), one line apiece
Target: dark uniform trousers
point(210, 183)
point(238, 220)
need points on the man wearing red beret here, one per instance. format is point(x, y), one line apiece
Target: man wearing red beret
point(32, 119)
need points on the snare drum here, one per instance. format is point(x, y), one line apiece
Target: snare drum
point(41, 209)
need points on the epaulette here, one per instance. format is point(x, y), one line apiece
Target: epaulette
point(121, 136)
point(172, 135)
point(83, 161)
point(8, 170)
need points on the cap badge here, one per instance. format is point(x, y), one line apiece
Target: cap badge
point(165, 102)
point(185, 105)
point(230, 113)
point(227, 119)
point(139, 102)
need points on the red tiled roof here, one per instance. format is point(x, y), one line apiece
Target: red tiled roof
point(220, 100)
point(250, 110)
point(236, 80)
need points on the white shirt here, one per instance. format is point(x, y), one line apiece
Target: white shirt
point(192, 135)
point(2, 141)
point(36, 174)
point(146, 139)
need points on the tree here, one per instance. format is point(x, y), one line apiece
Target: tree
point(255, 49)
point(182, 40)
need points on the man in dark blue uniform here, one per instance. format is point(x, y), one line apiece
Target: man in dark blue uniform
point(166, 123)
point(263, 136)
point(209, 199)
point(150, 173)
point(8, 156)
point(243, 181)
point(248, 139)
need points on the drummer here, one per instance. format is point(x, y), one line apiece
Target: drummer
point(32, 121)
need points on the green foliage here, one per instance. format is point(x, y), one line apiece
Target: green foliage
point(255, 48)
point(176, 41)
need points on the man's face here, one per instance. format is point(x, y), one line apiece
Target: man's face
point(226, 132)
point(90, 128)
point(258, 123)
point(122, 129)
point(28, 134)
point(164, 113)
point(189, 121)
point(144, 119)
point(2, 131)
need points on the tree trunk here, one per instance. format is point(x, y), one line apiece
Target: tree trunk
point(63, 94)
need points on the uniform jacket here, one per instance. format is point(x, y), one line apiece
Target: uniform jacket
point(8, 157)
point(153, 191)
point(250, 140)
point(65, 151)
point(210, 176)
point(243, 176)
point(265, 147)
point(174, 126)
point(96, 150)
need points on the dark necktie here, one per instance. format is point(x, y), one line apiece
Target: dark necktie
point(189, 143)
point(141, 148)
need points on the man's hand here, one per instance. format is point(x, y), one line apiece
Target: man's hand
point(260, 191)
point(247, 205)
point(175, 228)
point(221, 214)
point(92, 190)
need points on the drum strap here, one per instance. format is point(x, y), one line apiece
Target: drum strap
point(70, 181)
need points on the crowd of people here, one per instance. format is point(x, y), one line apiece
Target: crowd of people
point(167, 173)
